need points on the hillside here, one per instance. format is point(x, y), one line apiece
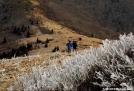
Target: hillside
point(20, 17)
point(109, 66)
point(104, 18)
point(30, 29)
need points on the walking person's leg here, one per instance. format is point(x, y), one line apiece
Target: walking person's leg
point(69, 50)
point(74, 48)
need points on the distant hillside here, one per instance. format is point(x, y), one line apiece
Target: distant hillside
point(13, 13)
point(104, 18)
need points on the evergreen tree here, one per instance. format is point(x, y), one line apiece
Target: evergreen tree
point(19, 52)
point(47, 41)
point(0, 56)
point(5, 40)
point(13, 52)
point(22, 27)
point(9, 54)
point(28, 34)
point(15, 30)
point(92, 35)
point(24, 50)
point(37, 22)
point(31, 22)
point(38, 41)
point(80, 39)
point(19, 33)
point(4, 55)
point(29, 46)
point(52, 31)
point(46, 45)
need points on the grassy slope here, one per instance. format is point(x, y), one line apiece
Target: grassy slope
point(106, 19)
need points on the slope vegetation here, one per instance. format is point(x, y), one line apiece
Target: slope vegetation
point(109, 66)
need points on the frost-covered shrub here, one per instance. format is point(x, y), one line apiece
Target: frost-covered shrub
point(109, 66)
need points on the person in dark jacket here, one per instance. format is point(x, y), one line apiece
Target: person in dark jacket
point(57, 48)
point(74, 45)
point(69, 45)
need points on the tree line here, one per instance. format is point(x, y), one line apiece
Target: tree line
point(22, 50)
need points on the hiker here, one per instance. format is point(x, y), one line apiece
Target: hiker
point(57, 48)
point(74, 45)
point(69, 45)
point(54, 50)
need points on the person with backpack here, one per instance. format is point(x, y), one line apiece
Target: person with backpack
point(74, 45)
point(69, 45)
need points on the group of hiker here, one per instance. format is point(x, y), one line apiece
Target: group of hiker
point(70, 45)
